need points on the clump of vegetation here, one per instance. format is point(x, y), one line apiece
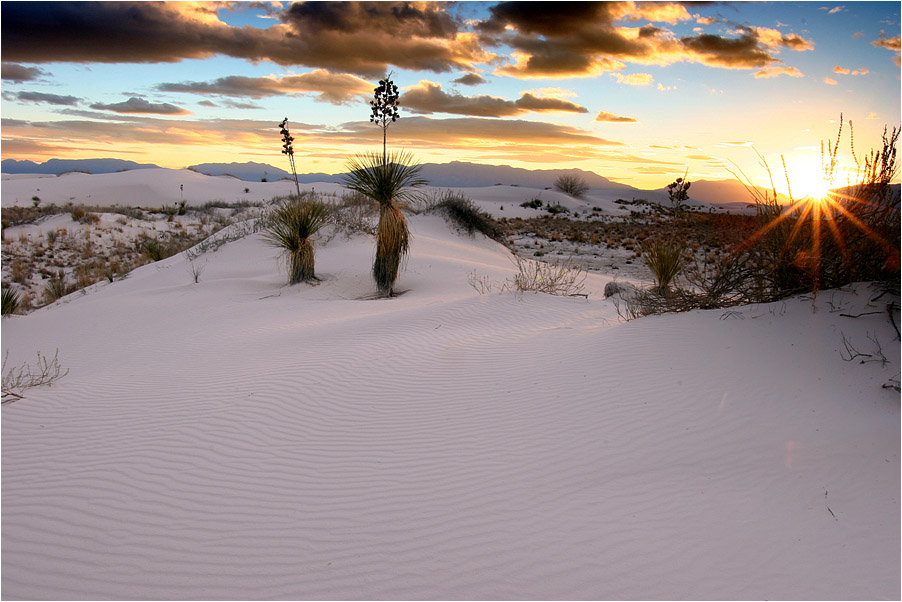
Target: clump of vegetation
point(571, 184)
point(463, 212)
point(533, 204)
point(665, 260)
point(56, 288)
point(556, 209)
point(12, 299)
point(290, 226)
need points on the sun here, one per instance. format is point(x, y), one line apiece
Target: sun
point(810, 184)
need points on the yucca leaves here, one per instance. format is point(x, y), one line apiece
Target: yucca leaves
point(289, 226)
point(387, 182)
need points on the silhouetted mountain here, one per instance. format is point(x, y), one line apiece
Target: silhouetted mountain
point(722, 191)
point(58, 166)
point(250, 172)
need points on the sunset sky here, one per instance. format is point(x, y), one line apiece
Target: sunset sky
point(636, 92)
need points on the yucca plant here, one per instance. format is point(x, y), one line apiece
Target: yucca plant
point(386, 180)
point(289, 226)
point(665, 260)
point(12, 298)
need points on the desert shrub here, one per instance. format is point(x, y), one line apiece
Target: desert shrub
point(355, 214)
point(17, 380)
point(289, 226)
point(665, 260)
point(154, 249)
point(556, 209)
point(56, 288)
point(462, 212)
point(12, 299)
point(533, 204)
point(562, 279)
point(571, 184)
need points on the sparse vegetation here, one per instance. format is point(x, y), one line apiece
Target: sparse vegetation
point(12, 298)
point(665, 260)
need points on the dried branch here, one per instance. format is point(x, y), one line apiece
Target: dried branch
point(16, 380)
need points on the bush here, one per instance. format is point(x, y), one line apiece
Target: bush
point(533, 204)
point(571, 184)
point(556, 209)
point(464, 214)
point(56, 288)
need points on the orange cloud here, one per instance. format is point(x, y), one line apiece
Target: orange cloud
point(634, 79)
point(428, 97)
point(841, 70)
point(830, 81)
point(778, 71)
point(611, 118)
point(329, 87)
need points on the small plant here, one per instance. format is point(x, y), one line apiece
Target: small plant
point(56, 288)
point(665, 260)
point(289, 227)
point(533, 204)
point(35, 201)
point(288, 149)
point(571, 184)
point(12, 299)
point(16, 380)
point(195, 269)
point(563, 279)
point(556, 209)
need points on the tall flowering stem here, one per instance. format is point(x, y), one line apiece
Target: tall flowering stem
point(385, 109)
point(288, 149)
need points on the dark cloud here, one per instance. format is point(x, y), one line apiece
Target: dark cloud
point(354, 37)
point(470, 79)
point(43, 98)
point(611, 118)
point(19, 73)
point(329, 87)
point(586, 38)
point(141, 106)
point(428, 97)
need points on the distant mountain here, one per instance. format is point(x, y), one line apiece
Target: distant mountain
point(456, 174)
point(58, 166)
point(724, 191)
point(250, 172)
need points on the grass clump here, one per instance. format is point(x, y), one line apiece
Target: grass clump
point(289, 226)
point(462, 212)
point(665, 260)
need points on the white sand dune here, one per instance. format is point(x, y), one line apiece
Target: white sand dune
point(236, 438)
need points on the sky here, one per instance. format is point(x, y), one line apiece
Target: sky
point(638, 92)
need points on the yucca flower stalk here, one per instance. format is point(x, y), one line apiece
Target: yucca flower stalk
point(387, 181)
point(289, 226)
point(288, 149)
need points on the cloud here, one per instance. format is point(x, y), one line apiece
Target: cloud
point(841, 70)
point(890, 44)
point(355, 37)
point(16, 73)
point(333, 88)
point(141, 106)
point(611, 118)
point(664, 88)
point(43, 98)
point(470, 79)
point(830, 81)
point(778, 71)
point(428, 97)
point(834, 10)
point(634, 79)
point(583, 39)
